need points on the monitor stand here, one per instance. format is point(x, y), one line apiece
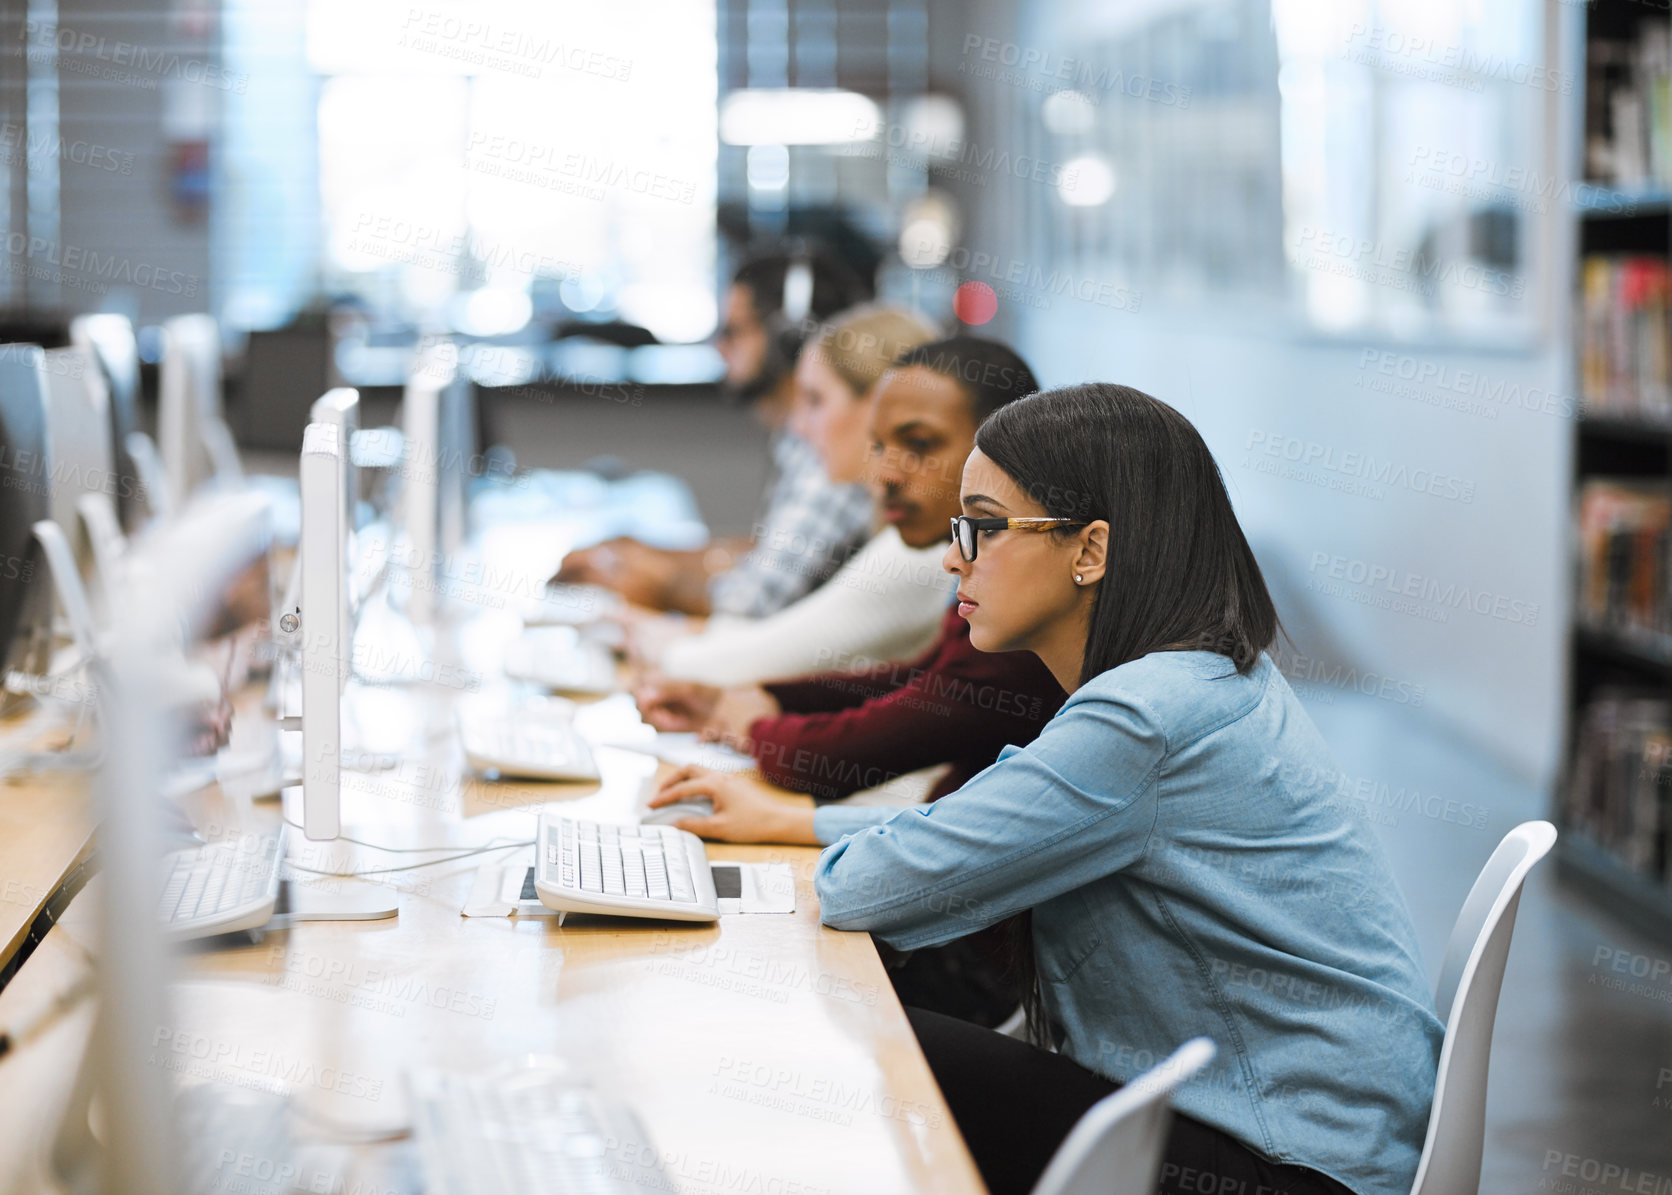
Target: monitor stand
point(299, 902)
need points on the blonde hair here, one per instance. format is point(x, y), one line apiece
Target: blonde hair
point(860, 343)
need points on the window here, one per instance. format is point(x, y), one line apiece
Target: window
point(489, 160)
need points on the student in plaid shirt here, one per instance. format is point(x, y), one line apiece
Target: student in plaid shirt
point(808, 524)
point(809, 527)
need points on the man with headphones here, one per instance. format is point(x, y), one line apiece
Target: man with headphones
point(807, 524)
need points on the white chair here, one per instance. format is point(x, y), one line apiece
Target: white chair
point(1116, 1147)
point(1466, 999)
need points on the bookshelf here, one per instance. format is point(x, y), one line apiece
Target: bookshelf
point(1614, 793)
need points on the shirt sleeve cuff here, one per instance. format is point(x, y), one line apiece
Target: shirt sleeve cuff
point(832, 823)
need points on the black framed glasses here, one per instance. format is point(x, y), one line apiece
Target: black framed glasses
point(964, 530)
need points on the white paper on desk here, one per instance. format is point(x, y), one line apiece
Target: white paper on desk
point(766, 888)
point(682, 747)
point(497, 892)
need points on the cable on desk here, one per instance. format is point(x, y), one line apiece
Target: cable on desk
point(380, 871)
point(395, 850)
point(346, 1135)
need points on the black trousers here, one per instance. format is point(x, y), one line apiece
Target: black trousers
point(1014, 1104)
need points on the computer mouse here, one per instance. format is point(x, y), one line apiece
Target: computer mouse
point(667, 815)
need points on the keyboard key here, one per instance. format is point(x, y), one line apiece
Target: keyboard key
point(172, 892)
point(213, 888)
point(194, 891)
point(592, 873)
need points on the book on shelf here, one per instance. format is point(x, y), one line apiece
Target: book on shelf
point(1624, 342)
point(1625, 543)
point(1620, 792)
point(1628, 108)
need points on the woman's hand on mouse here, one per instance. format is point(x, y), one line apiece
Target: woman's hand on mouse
point(743, 811)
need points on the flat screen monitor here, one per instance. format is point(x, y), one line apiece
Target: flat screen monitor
point(78, 431)
point(325, 619)
point(192, 435)
point(340, 408)
point(421, 434)
point(191, 568)
point(25, 498)
point(110, 340)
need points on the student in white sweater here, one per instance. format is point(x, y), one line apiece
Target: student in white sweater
point(886, 602)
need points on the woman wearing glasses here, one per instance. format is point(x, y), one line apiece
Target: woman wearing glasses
point(1174, 832)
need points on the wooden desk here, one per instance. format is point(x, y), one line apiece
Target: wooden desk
point(765, 1053)
point(46, 828)
point(35, 1080)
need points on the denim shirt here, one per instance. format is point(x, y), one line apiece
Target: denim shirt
point(1192, 869)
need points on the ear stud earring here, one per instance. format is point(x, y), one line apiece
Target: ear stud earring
point(1078, 579)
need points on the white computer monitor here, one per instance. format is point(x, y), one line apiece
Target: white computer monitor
point(82, 455)
point(456, 433)
point(187, 569)
point(421, 434)
point(109, 340)
point(324, 629)
point(193, 439)
point(26, 608)
point(341, 409)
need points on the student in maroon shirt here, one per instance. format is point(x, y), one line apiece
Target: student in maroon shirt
point(839, 733)
point(836, 733)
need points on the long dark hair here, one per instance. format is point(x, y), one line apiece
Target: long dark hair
point(1180, 574)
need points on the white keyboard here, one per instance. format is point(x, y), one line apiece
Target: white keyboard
point(531, 1131)
point(525, 745)
point(626, 871)
point(221, 886)
point(571, 606)
point(562, 660)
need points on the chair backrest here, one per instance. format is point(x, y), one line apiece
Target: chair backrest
point(1116, 1148)
point(1466, 999)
